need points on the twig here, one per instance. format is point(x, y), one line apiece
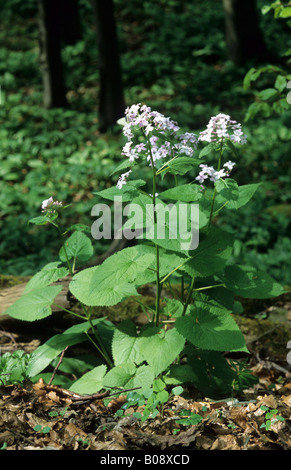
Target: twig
point(80, 398)
point(58, 365)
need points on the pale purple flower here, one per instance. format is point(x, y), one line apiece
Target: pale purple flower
point(49, 205)
point(142, 117)
point(223, 127)
point(229, 165)
point(212, 174)
point(123, 179)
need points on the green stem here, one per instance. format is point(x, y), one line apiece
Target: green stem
point(65, 250)
point(214, 192)
point(173, 270)
point(96, 334)
point(188, 296)
point(98, 348)
point(182, 289)
point(70, 312)
point(209, 287)
point(158, 284)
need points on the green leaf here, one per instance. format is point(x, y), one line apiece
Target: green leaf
point(129, 376)
point(216, 298)
point(245, 193)
point(160, 348)
point(47, 275)
point(182, 165)
point(285, 12)
point(159, 385)
point(105, 295)
point(265, 9)
point(266, 94)
point(177, 390)
point(41, 220)
point(212, 253)
point(91, 382)
point(232, 147)
point(112, 281)
point(180, 374)
point(84, 326)
point(128, 191)
point(79, 228)
point(173, 308)
point(251, 283)
point(125, 344)
point(35, 305)
point(185, 193)
point(207, 329)
point(122, 166)
point(162, 396)
point(251, 76)
point(48, 351)
point(78, 245)
point(280, 83)
point(206, 150)
point(176, 228)
point(211, 372)
point(227, 191)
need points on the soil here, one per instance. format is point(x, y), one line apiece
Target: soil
point(37, 416)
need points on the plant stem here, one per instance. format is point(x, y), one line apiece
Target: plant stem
point(182, 289)
point(214, 192)
point(158, 284)
point(188, 296)
point(209, 287)
point(173, 270)
point(65, 250)
point(102, 349)
point(70, 312)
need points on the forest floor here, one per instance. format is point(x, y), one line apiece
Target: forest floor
point(42, 417)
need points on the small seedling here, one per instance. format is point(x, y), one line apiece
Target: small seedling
point(271, 416)
point(42, 429)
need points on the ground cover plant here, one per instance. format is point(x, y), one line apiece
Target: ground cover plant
point(183, 341)
point(169, 342)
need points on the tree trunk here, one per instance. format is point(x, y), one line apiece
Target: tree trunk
point(243, 36)
point(54, 94)
point(111, 104)
point(70, 21)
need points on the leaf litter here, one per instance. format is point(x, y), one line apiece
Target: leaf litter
point(41, 416)
point(33, 416)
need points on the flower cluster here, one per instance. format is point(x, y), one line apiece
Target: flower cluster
point(212, 174)
point(142, 117)
point(50, 206)
point(122, 179)
point(222, 127)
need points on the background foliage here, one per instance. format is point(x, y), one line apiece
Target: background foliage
point(174, 59)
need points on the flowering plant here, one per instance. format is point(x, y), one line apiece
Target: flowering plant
point(188, 328)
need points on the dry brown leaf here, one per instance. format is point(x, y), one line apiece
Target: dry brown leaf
point(225, 443)
point(38, 388)
point(53, 397)
point(240, 417)
point(203, 442)
point(73, 431)
point(33, 420)
point(269, 401)
point(7, 437)
point(286, 400)
point(116, 403)
point(10, 418)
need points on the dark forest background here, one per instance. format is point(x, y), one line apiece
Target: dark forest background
point(69, 68)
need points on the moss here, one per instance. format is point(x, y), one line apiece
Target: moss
point(265, 337)
point(10, 281)
point(129, 309)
